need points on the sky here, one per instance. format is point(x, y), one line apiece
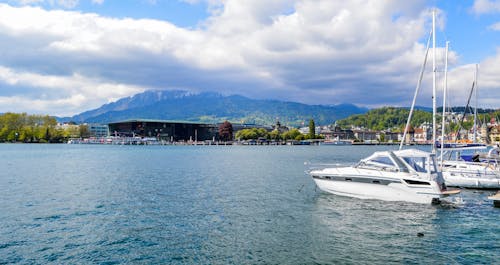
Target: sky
point(63, 57)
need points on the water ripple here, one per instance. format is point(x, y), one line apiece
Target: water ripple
point(219, 205)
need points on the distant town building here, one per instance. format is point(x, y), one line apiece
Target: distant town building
point(484, 134)
point(280, 128)
point(392, 136)
point(494, 134)
point(337, 133)
point(423, 134)
point(410, 135)
point(365, 135)
point(98, 130)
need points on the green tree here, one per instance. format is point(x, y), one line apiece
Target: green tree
point(83, 130)
point(312, 129)
point(28, 128)
point(252, 134)
point(72, 131)
point(275, 135)
point(291, 135)
point(385, 118)
point(300, 137)
point(382, 137)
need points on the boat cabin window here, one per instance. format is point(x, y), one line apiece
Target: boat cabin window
point(421, 164)
point(382, 161)
point(417, 163)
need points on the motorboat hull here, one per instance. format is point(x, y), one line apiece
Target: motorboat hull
point(386, 188)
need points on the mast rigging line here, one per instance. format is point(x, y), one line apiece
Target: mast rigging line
point(422, 69)
point(465, 110)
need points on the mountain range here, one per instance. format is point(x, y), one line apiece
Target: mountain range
point(209, 107)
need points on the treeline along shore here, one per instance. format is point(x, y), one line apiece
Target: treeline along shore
point(21, 127)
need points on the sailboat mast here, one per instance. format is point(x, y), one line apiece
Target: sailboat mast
point(434, 81)
point(475, 108)
point(445, 88)
point(419, 83)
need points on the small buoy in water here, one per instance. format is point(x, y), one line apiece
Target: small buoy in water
point(420, 234)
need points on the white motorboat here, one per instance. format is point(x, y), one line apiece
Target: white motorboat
point(407, 175)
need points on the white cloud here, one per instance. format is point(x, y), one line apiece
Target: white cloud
point(65, 3)
point(488, 82)
point(29, 2)
point(99, 2)
point(486, 6)
point(56, 3)
point(63, 94)
point(495, 26)
point(322, 52)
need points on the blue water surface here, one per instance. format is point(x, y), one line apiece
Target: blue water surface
point(103, 204)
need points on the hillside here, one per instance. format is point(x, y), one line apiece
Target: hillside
point(385, 118)
point(213, 107)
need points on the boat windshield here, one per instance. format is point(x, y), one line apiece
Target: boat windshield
point(387, 161)
point(382, 160)
point(420, 164)
point(417, 163)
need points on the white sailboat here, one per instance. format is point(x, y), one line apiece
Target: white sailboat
point(406, 175)
point(458, 172)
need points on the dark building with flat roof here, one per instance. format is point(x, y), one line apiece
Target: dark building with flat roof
point(164, 130)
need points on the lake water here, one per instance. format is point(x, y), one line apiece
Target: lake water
point(91, 204)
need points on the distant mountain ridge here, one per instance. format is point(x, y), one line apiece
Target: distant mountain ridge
point(137, 101)
point(212, 107)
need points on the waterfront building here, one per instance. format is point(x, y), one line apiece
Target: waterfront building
point(392, 136)
point(365, 135)
point(172, 131)
point(423, 135)
point(410, 135)
point(337, 133)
